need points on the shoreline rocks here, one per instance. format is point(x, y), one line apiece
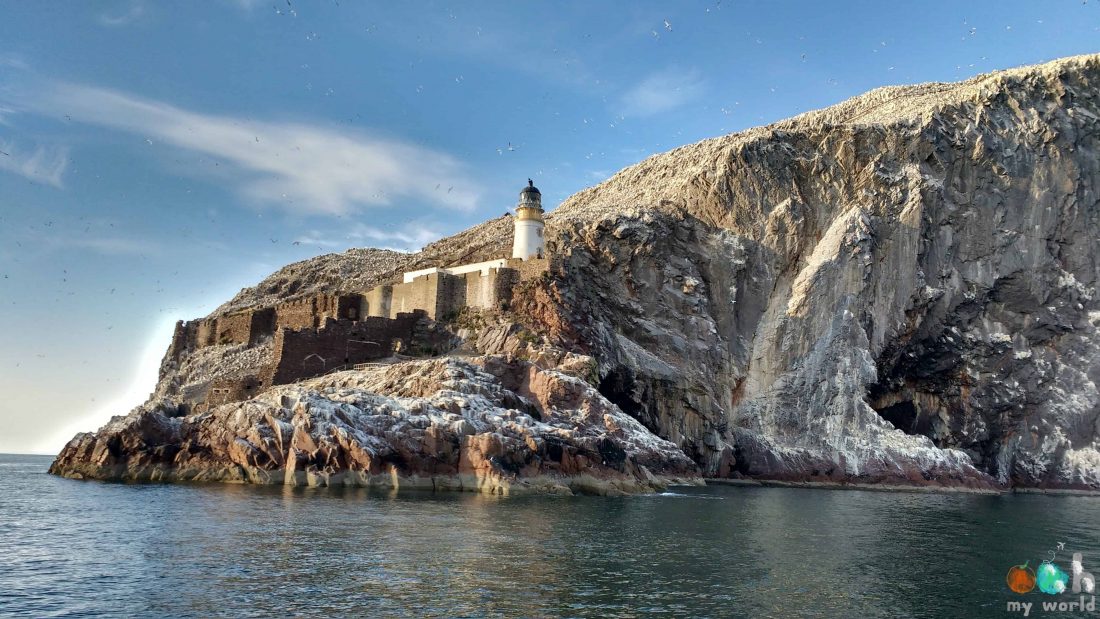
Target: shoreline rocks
point(442, 424)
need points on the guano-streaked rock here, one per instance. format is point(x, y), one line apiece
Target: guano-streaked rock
point(897, 290)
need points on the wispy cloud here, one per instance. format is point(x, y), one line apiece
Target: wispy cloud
point(124, 18)
point(42, 164)
point(411, 236)
point(112, 246)
point(663, 91)
point(300, 167)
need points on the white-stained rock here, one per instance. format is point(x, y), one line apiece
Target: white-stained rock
point(899, 289)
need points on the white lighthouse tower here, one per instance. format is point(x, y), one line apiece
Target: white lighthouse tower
point(528, 241)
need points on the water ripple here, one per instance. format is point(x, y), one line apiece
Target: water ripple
point(78, 549)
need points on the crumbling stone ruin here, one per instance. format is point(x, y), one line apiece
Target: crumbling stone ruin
point(323, 333)
point(302, 353)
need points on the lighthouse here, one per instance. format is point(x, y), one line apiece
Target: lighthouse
point(528, 242)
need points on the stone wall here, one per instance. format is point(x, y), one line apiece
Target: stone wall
point(184, 339)
point(228, 390)
point(529, 269)
point(438, 294)
point(308, 352)
point(312, 311)
point(451, 295)
point(297, 314)
point(251, 326)
point(377, 301)
point(487, 291)
point(478, 290)
point(442, 294)
point(205, 332)
point(233, 329)
point(433, 293)
point(301, 353)
point(247, 327)
point(262, 324)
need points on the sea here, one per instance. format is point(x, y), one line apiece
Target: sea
point(93, 549)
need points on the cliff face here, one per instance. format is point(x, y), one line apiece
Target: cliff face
point(900, 287)
point(897, 289)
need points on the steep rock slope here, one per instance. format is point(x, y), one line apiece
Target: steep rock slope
point(899, 287)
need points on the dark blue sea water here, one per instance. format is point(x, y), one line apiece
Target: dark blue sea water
point(92, 549)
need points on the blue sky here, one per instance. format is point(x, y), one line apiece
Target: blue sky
point(155, 157)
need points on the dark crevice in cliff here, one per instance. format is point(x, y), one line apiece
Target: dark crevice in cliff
point(906, 417)
point(618, 387)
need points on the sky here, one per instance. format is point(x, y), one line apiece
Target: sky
point(156, 157)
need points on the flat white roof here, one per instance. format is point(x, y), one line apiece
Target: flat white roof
point(484, 267)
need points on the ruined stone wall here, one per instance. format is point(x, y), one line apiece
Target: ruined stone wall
point(439, 295)
point(262, 324)
point(298, 314)
point(349, 306)
point(251, 326)
point(246, 327)
point(228, 390)
point(233, 329)
point(183, 340)
point(308, 352)
point(312, 311)
point(205, 332)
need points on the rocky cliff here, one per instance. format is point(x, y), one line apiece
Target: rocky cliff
point(898, 289)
